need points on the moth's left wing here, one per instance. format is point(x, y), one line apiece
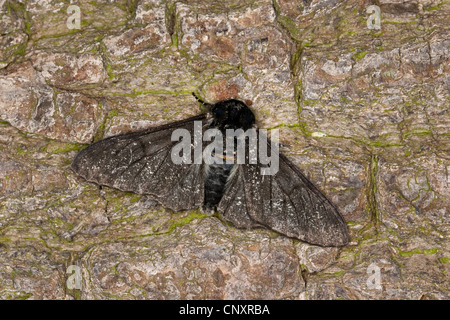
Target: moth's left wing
point(286, 202)
point(141, 162)
point(234, 206)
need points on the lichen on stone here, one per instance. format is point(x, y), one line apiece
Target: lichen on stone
point(362, 112)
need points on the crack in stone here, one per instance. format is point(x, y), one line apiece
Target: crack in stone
point(372, 189)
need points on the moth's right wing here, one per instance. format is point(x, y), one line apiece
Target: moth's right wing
point(141, 162)
point(234, 205)
point(286, 202)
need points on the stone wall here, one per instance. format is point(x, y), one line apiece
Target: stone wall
point(363, 112)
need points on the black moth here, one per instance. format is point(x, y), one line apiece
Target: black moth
point(286, 202)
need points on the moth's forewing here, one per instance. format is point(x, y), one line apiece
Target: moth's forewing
point(141, 162)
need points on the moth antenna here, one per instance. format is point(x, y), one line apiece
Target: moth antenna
point(206, 106)
point(197, 98)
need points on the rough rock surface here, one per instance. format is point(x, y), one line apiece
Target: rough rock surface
point(363, 112)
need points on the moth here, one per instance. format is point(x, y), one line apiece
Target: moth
point(286, 202)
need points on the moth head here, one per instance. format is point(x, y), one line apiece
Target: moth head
point(229, 114)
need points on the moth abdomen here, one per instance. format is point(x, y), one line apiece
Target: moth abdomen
point(215, 183)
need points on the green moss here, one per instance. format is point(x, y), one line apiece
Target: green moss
point(344, 99)
point(172, 23)
point(63, 148)
point(417, 251)
point(186, 220)
point(151, 91)
point(359, 55)
point(4, 239)
point(109, 71)
point(287, 23)
point(42, 241)
point(376, 33)
point(23, 297)
point(435, 7)
point(382, 143)
point(101, 129)
point(417, 132)
point(310, 102)
point(19, 10)
point(444, 260)
point(113, 113)
point(304, 128)
point(19, 150)
point(400, 22)
point(113, 296)
point(20, 49)
point(430, 251)
point(337, 273)
point(59, 35)
point(301, 126)
point(135, 198)
point(131, 8)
